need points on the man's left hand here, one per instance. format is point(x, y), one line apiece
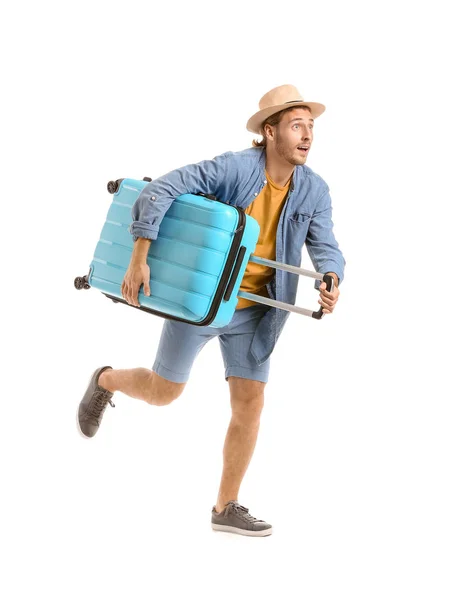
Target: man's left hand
point(328, 300)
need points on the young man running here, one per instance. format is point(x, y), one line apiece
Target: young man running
point(292, 205)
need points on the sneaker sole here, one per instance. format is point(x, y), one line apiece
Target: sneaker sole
point(230, 529)
point(86, 437)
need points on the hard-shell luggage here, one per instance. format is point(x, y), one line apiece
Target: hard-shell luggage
point(196, 263)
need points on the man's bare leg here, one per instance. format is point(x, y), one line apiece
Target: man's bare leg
point(247, 399)
point(142, 384)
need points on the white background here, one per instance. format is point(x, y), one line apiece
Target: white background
point(351, 464)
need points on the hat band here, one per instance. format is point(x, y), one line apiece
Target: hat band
point(290, 101)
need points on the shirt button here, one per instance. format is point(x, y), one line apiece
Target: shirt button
point(153, 197)
point(265, 181)
point(255, 193)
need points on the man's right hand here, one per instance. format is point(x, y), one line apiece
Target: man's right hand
point(138, 273)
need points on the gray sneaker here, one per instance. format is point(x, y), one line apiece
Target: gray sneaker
point(235, 518)
point(93, 405)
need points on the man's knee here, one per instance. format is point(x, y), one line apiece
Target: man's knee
point(164, 391)
point(247, 398)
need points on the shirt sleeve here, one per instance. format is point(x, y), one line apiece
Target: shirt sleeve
point(323, 248)
point(156, 198)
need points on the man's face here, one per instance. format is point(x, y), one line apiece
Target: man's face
point(294, 130)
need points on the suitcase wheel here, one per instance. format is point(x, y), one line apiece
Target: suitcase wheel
point(81, 283)
point(113, 186)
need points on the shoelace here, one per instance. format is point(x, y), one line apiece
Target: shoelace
point(241, 511)
point(99, 400)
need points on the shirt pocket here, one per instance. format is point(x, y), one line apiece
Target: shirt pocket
point(296, 233)
point(300, 217)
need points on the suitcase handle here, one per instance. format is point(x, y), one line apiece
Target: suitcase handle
point(328, 280)
point(208, 196)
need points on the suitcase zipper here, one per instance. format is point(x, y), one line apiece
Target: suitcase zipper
point(238, 235)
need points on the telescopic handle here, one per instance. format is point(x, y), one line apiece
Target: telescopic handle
point(328, 280)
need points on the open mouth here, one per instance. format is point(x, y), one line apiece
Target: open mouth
point(303, 149)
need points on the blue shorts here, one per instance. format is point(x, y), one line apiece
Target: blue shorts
point(180, 344)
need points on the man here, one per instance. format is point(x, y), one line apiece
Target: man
point(292, 206)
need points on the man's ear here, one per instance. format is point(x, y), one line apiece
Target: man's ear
point(269, 131)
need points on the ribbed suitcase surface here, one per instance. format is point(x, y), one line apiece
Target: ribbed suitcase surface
point(200, 255)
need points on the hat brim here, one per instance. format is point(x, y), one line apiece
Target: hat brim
point(255, 122)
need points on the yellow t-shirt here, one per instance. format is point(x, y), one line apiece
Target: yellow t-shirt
point(266, 208)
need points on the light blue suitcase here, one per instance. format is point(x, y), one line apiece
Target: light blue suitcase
point(196, 263)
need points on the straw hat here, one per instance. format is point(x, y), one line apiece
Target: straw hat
point(278, 99)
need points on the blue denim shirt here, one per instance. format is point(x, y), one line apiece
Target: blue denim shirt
point(237, 178)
